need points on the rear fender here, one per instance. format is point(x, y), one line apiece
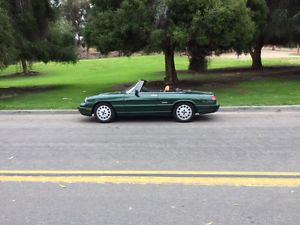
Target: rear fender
point(182, 101)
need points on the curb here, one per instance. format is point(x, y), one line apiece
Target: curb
point(260, 108)
point(284, 108)
point(40, 112)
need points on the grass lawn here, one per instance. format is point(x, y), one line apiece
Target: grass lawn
point(64, 86)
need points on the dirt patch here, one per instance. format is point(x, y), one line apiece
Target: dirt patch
point(267, 53)
point(291, 72)
point(193, 84)
point(265, 71)
point(15, 91)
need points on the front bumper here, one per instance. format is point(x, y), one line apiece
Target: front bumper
point(86, 111)
point(204, 109)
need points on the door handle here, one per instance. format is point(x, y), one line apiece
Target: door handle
point(164, 102)
point(154, 95)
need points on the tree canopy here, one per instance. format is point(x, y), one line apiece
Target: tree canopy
point(32, 30)
point(220, 27)
point(168, 26)
point(280, 26)
point(76, 12)
point(33, 24)
point(7, 50)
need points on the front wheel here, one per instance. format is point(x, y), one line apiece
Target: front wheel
point(104, 113)
point(184, 112)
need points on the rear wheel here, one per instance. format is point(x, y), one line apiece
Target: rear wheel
point(184, 112)
point(104, 113)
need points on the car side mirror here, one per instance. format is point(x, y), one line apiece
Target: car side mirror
point(136, 92)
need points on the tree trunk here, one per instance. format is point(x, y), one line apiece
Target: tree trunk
point(198, 58)
point(24, 66)
point(198, 62)
point(171, 74)
point(256, 58)
point(87, 52)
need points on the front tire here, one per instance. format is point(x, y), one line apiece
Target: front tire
point(104, 113)
point(184, 112)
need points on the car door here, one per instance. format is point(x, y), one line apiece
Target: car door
point(166, 101)
point(140, 103)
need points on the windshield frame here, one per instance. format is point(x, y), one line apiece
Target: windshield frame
point(138, 86)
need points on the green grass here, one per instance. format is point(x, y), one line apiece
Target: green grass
point(70, 84)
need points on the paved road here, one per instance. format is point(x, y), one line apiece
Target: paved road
point(224, 141)
point(257, 142)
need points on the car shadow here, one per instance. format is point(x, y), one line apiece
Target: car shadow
point(150, 119)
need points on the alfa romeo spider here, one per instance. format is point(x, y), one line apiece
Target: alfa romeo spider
point(137, 100)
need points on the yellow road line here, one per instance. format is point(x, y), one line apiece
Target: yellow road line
point(200, 181)
point(159, 172)
point(254, 179)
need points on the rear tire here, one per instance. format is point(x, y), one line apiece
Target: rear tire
point(184, 112)
point(104, 113)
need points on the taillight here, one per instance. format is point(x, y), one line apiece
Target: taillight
point(214, 98)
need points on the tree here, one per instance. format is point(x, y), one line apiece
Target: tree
point(7, 50)
point(221, 27)
point(295, 24)
point(297, 33)
point(278, 28)
point(167, 25)
point(76, 13)
point(31, 21)
point(259, 15)
point(61, 42)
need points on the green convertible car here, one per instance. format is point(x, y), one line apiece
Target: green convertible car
point(137, 100)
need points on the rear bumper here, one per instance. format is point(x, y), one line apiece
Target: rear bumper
point(85, 111)
point(204, 109)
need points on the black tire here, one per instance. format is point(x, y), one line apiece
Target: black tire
point(104, 113)
point(184, 112)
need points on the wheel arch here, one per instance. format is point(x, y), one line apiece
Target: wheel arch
point(183, 101)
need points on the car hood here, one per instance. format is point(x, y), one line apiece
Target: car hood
point(103, 95)
point(110, 93)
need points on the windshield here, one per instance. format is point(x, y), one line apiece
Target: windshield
point(130, 89)
point(138, 86)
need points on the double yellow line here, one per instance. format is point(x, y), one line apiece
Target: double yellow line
point(200, 178)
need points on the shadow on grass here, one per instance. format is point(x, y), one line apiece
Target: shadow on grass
point(6, 93)
point(227, 78)
point(20, 75)
point(221, 78)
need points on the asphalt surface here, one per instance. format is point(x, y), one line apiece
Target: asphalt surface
point(223, 141)
point(256, 141)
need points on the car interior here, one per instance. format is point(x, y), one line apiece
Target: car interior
point(147, 88)
point(166, 88)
